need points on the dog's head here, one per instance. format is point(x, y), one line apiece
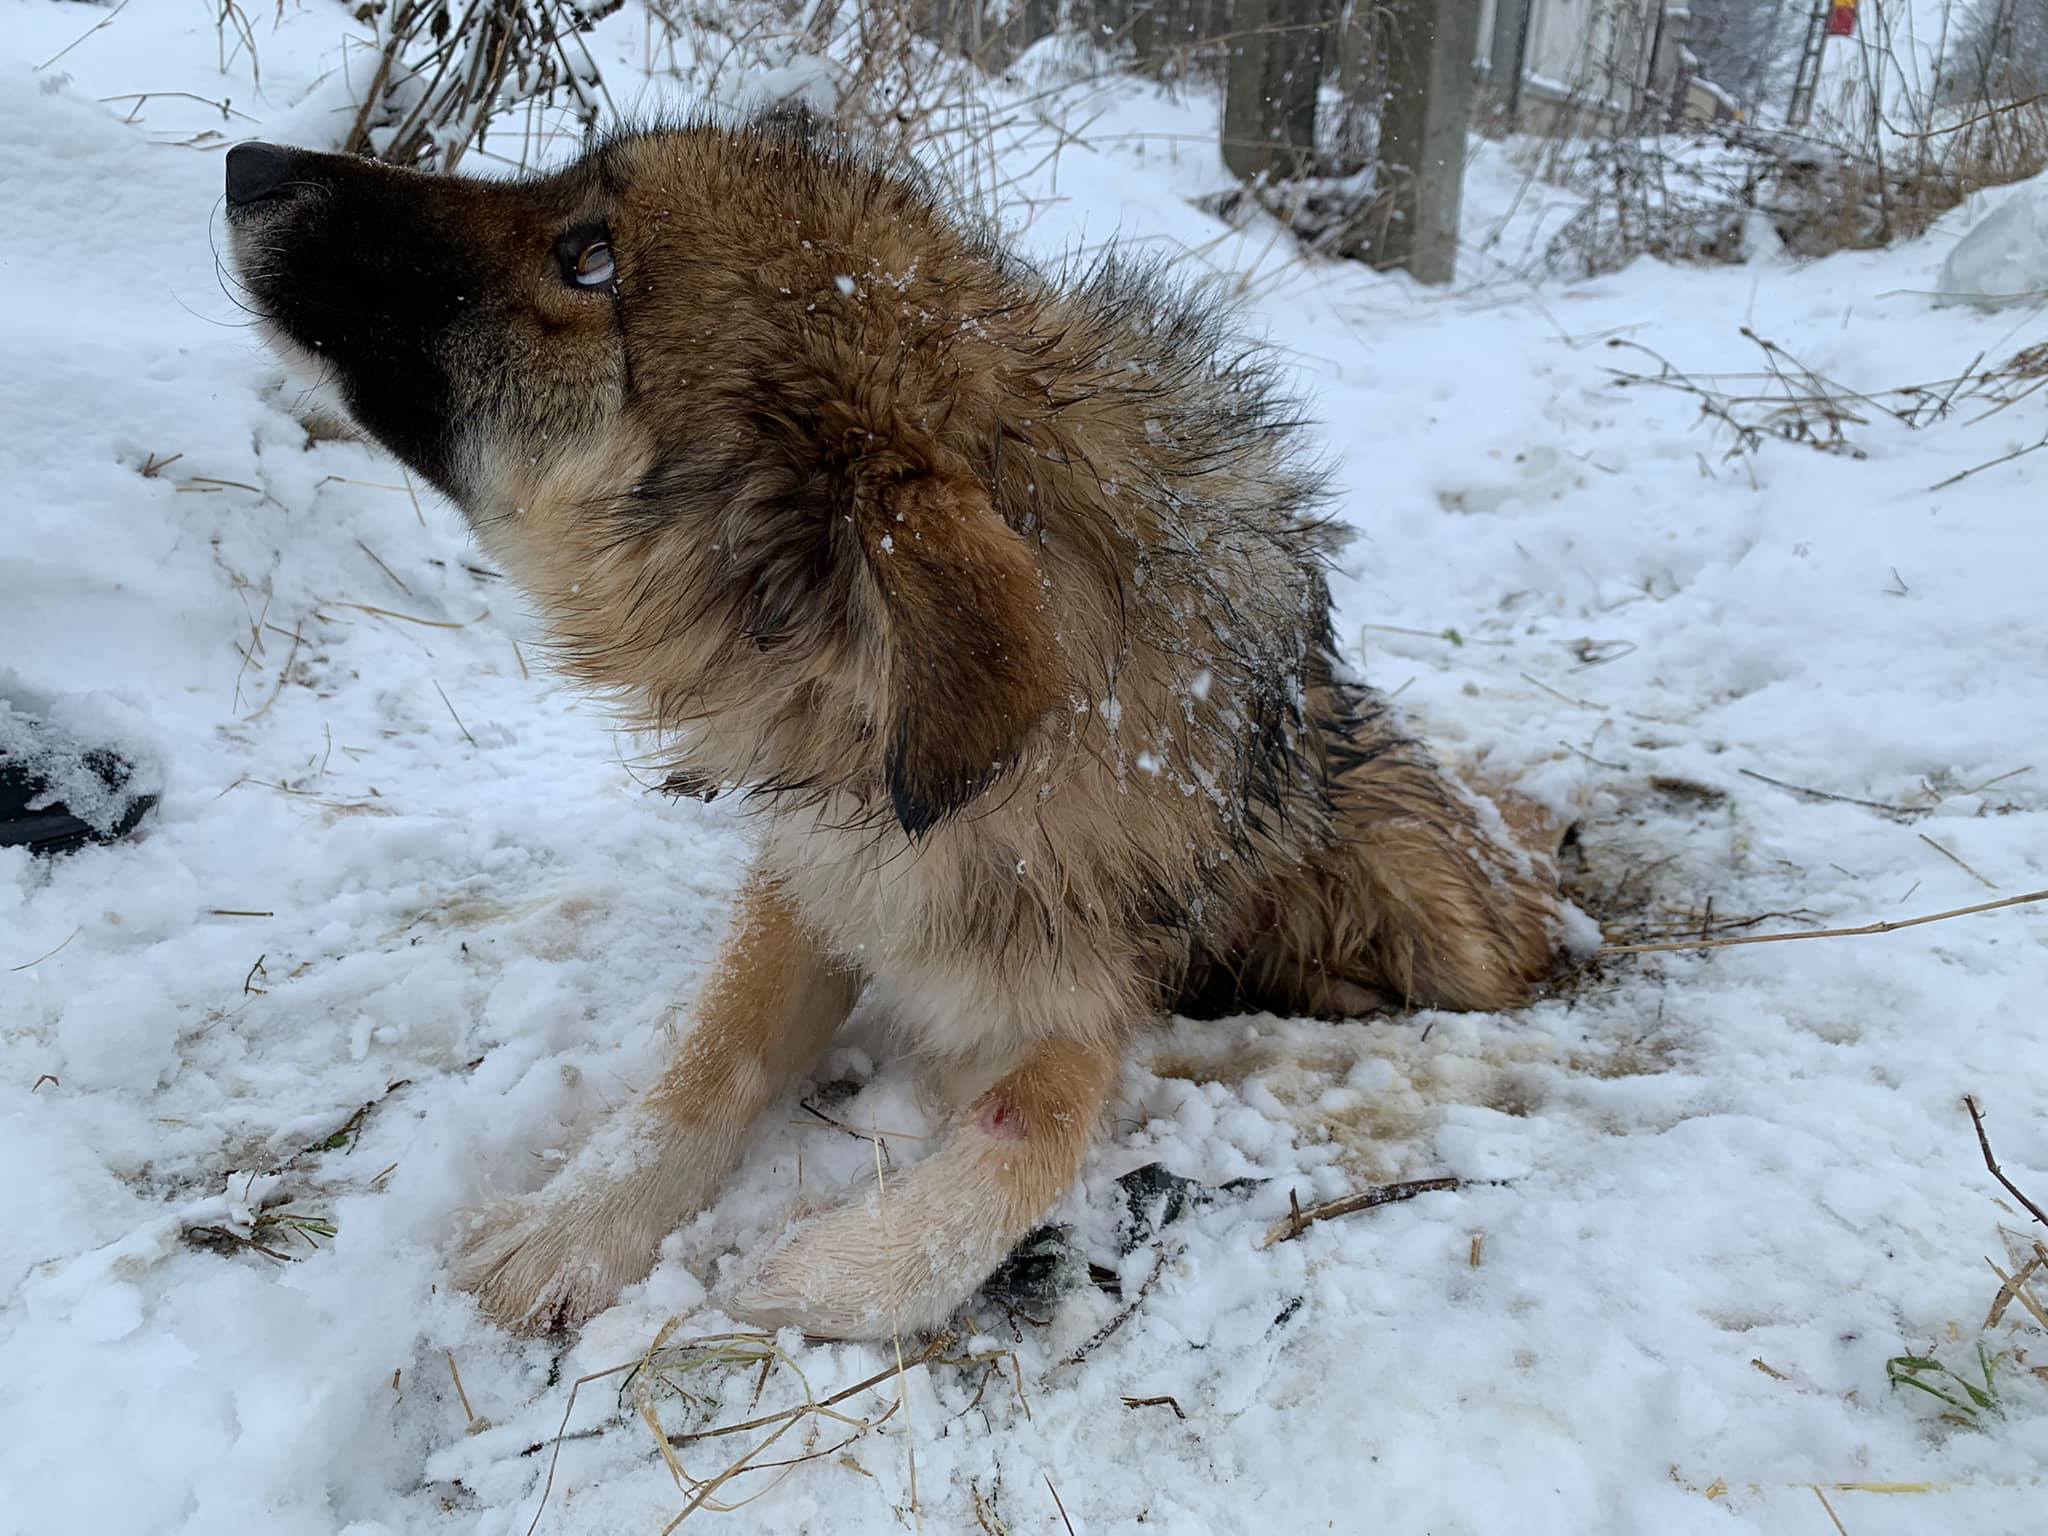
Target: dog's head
point(720, 399)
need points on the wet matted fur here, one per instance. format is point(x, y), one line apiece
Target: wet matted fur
point(999, 594)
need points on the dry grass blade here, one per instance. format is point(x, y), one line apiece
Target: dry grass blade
point(931, 1351)
point(389, 613)
point(1822, 933)
point(984, 1516)
point(1059, 1503)
point(472, 1423)
point(1957, 860)
point(284, 673)
point(454, 716)
point(376, 559)
point(2013, 1288)
point(39, 959)
point(743, 1349)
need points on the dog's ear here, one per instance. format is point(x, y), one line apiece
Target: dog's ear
point(972, 659)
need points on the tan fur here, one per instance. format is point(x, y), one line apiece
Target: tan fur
point(901, 1257)
point(771, 1005)
point(1003, 598)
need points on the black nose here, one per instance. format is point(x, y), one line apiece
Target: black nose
point(256, 171)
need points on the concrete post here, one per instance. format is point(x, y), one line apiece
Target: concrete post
point(1667, 64)
point(1430, 47)
point(1504, 51)
point(1247, 146)
point(1269, 94)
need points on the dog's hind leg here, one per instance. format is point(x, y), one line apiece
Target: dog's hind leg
point(904, 1257)
point(554, 1257)
point(1422, 891)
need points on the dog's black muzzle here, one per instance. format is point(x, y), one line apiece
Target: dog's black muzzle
point(258, 173)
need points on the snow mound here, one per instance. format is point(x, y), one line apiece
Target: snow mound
point(2003, 259)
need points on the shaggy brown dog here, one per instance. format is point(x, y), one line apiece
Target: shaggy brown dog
point(1000, 596)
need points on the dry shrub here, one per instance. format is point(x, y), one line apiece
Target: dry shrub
point(446, 72)
point(1706, 197)
point(450, 75)
point(870, 66)
point(1910, 125)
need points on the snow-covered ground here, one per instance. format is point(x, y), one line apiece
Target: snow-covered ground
point(396, 866)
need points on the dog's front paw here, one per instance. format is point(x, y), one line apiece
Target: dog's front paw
point(549, 1261)
point(856, 1273)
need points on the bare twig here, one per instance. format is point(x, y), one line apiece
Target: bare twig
point(2003, 458)
point(88, 32)
point(1299, 1221)
point(1990, 1162)
point(1823, 933)
point(568, 1408)
point(1163, 1401)
point(1900, 811)
point(1096, 1338)
point(141, 98)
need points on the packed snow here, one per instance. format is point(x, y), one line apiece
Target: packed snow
point(2003, 259)
point(407, 919)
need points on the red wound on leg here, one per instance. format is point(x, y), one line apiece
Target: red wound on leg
point(1001, 1119)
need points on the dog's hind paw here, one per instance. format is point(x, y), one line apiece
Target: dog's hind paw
point(544, 1262)
point(850, 1275)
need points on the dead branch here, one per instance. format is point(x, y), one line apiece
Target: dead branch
point(1164, 1401)
point(1900, 811)
point(1299, 1221)
point(1822, 933)
point(1096, 1338)
point(1984, 1142)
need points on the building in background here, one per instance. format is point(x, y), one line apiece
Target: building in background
point(1575, 66)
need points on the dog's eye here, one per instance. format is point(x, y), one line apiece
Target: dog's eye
point(594, 264)
point(586, 257)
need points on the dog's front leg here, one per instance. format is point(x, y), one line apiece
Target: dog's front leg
point(552, 1258)
point(906, 1254)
